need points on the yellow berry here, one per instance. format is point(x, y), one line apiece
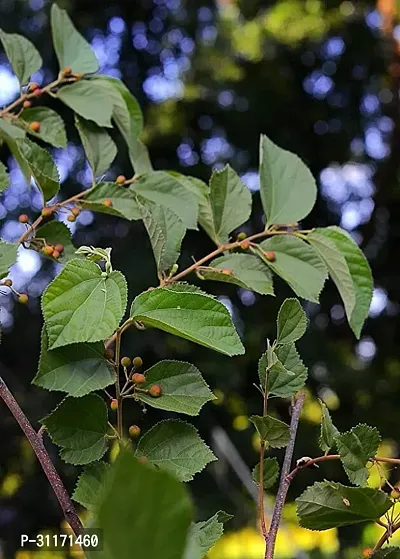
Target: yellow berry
point(134, 431)
point(23, 299)
point(120, 179)
point(47, 212)
point(71, 218)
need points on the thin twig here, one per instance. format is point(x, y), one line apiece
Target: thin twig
point(117, 385)
point(36, 442)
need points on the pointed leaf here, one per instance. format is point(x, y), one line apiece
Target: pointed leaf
point(93, 103)
point(183, 389)
point(42, 168)
point(270, 472)
point(176, 447)
point(124, 201)
point(271, 430)
point(79, 427)
point(55, 233)
point(22, 54)
point(52, 127)
point(291, 322)
point(80, 305)
point(71, 48)
point(298, 264)
point(91, 484)
point(328, 430)
point(100, 149)
point(4, 178)
point(10, 134)
point(356, 448)
point(203, 535)
point(77, 369)
point(8, 256)
point(288, 375)
point(194, 316)
point(287, 187)
point(246, 270)
point(327, 505)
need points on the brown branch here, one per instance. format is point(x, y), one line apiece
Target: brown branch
point(36, 442)
point(117, 385)
point(284, 482)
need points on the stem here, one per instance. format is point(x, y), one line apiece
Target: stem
point(36, 442)
point(284, 482)
point(127, 324)
point(262, 454)
point(117, 385)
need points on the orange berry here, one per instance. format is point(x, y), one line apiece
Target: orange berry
point(270, 256)
point(367, 552)
point(114, 404)
point(109, 354)
point(134, 431)
point(38, 92)
point(155, 391)
point(245, 244)
point(125, 362)
point(7, 283)
point(67, 71)
point(71, 218)
point(48, 250)
point(107, 202)
point(138, 378)
point(23, 299)
point(47, 212)
point(34, 126)
point(137, 362)
point(23, 218)
point(56, 254)
point(75, 211)
point(33, 86)
point(59, 248)
point(227, 271)
point(143, 459)
point(120, 179)
point(26, 104)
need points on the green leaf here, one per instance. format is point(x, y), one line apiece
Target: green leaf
point(387, 553)
point(8, 256)
point(175, 446)
point(10, 134)
point(166, 232)
point(203, 535)
point(337, 267)
point(91, 484)
point(80, 305)
point(135, 495)
point(298, 264)
point(52, 127)
point(230, 203)
point(270, 472)
point(291, 322)
point(282, 381)
point(100, 149)
point(77, 369)
point(327, 505)
point(4, 178)
point(328, 430)
point(271, 430)
point(194, 316)
point(140, 157)
point(42, 168)
point(124, 201)
point(9, 131)
point(287, 187)
point(356, 448)
point(183, 389)
point(247, 272)
point(23, 55)
point(71, 48)
point(55, 233)
point(93, 103)
point(79, 427)
point(360, 272)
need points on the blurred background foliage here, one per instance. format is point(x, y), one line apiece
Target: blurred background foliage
point(321, 79)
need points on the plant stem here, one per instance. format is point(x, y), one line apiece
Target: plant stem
point(36, 442)
point(117, 385)
point(262, 454)
point(284, 482)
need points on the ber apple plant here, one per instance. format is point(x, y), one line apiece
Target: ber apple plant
point(85, 316)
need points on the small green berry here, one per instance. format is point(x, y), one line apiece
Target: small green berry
point(137, 362)
point(125, 362)
point(241, 236)
point(23, 298)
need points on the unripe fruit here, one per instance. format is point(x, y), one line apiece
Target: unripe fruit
point(107, 202)
point(75, 211)
point(59, 248)
point(26, 104)
point(67, 71)
point(33, 86)
point(125, 362)
point(155, 390)
point(48, 250)
point(137, 362)
point(34, 126)
point(114, 404)
point(56, 254)
point(109, 354)
point(7, 283)
point(120, 179)
point(71, 218)
point(23, 218)
point(38, 92)
point(23, 299)
point(227, 271)
point(367, 552)
point(138, 378)
point(47, 212)
point(134, 431)
point(245, 244)
point(270, 256)
point(395, 494)
point(241, 236)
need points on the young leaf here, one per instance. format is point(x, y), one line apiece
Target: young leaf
point(326, 505)
point(80, 305)
point(356, 448)
point(52, 127)
point(328, 430)
point(100, 149)
point(194, 316)
point(93, 103)
point(283, 382)
point(42, 168)
point(247, 271)
point(270, 472)
point(165, 230)
point(124, 201)
point(132, 487)
point(4, 178)
point(77, 369)
point(297, 263)
point(8, 255)
point(291, 322)
point(230, 202)
point(360, 273)
point(71, 48)
point(287, 187)
point(176, 447)
point(79, 427)
point(91, 484)
point(203, 535)
point(22, 54)
point(55, 233)
point(183, 389)
point(273, 431)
